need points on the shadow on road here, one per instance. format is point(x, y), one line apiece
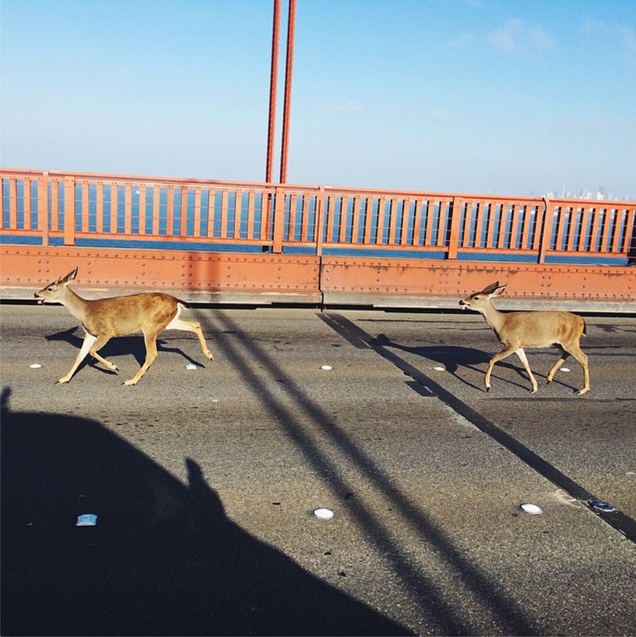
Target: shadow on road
point(454, 357)
point(163, 559)
point(478, 589)
point(132, 345)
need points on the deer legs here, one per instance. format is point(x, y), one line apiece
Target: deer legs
point(580, 356)
point(151, 345)
point(89, 339)
point(504, 353)
point(555, 368)
point(151, 353)
point(191, 326)
point(577, 352)
point(90, 345)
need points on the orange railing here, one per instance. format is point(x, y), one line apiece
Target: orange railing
point(53, 208)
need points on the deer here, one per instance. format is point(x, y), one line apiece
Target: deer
point(542, 328)
point(103, 319)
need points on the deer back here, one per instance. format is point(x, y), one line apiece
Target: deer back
point(121, 315)
point(540, 328)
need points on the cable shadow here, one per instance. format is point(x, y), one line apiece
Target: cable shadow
point(449, 619)
point(163, 559)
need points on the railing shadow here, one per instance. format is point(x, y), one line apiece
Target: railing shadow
point(163, 559)
point(448, 618)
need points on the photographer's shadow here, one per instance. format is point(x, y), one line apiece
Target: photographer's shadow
point(163, 558)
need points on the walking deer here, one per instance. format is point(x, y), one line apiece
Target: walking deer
point(102, 319)
point(517, 330)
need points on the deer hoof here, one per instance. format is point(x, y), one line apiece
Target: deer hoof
point(130, 382)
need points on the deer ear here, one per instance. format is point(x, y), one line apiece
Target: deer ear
point(499, 290)
point(490, 289)
point(65, 280)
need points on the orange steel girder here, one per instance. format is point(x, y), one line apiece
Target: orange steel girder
point(344, 277)
point(262, 279)
point(200, 276)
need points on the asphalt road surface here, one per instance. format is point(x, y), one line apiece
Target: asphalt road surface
point(204, 481)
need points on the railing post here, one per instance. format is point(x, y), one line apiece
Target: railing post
point(456, 218)
point(43, 207)
point(128, 209)
point(268, 198)
point(184, 211)
point(279, 221)
point(69, 211)
point(170, 210)
point(13, 203)
point(546, 229)
point(320, 220)
point(630, 237)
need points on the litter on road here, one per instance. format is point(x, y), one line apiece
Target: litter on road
point(532, 509)
point(599, 505)
point(323, 514)
point(86, 519)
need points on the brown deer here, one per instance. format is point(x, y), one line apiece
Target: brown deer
point(517, 330)
point(102, 319)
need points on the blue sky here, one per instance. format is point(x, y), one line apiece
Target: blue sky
point(472, 96)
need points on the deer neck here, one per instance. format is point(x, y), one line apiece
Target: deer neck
point(494, 317)
point(75, 304)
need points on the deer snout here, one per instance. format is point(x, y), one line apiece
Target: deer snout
point(463, 304)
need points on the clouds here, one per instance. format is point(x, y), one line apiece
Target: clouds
point(617, 34)
point(513, 35)
point(628, 40)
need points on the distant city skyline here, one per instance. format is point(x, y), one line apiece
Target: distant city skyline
point(599, 194)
